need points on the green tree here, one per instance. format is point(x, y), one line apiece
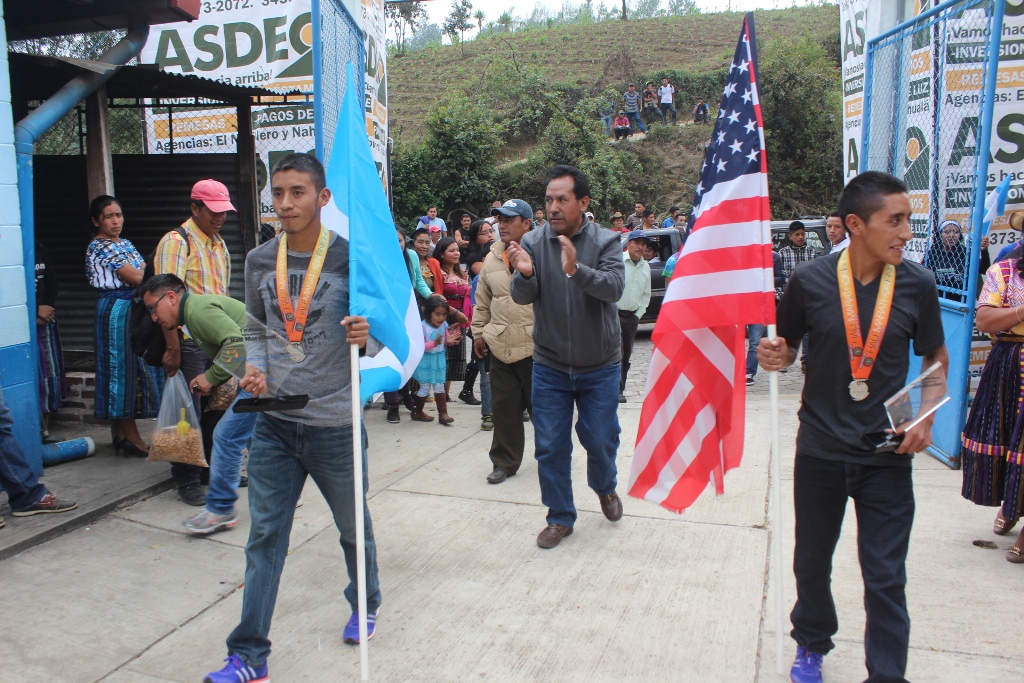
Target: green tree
point(801, 101)
point(405, 18)
point(506, 22)
point(463, 139)
point(458, 22)
point(428, 34)
point(479, 16)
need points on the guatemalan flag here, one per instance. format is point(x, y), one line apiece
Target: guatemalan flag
point(379, 285)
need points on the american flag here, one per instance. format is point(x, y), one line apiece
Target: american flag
point(691, 425)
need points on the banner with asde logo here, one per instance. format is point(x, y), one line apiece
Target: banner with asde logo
point(853, 27)
point(267, 44)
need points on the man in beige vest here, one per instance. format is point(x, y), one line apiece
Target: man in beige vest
point(503, 330)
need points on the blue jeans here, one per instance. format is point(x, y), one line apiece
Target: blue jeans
point(283, 453)
point(16, 475)
point(754, 335)
point(596, 397)
point(229, 438)
point(635, 116)
point(485, 390)
point(884, 503)
point(606, 123)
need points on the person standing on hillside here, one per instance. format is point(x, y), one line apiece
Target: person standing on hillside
point(501, 332)
point(866, 302)
point(198, 256)
point(651, 104)
point(667, 93)
point(573, 275)
point(636, 296)
point(636, 219)
point(632, 102)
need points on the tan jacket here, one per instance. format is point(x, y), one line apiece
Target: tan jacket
point(506, 326)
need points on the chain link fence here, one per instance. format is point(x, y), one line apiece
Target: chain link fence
point(341, 43)
point(923, 108)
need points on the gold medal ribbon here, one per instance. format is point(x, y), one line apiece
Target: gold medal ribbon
point(295, 319)
point(863, 354)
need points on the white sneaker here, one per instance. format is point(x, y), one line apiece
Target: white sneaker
point(206, 522)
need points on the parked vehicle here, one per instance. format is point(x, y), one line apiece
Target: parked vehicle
point(667, 241)
point(817, 238)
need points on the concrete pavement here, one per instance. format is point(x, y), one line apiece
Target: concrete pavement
point(469, 596)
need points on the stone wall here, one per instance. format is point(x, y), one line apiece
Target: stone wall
point(80, 406)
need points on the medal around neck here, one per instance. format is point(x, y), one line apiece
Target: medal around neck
point(268, 351)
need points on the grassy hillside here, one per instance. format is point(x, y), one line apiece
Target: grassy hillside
point(588, 56)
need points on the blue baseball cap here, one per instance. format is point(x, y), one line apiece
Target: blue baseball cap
point(638, 235)
point(513, 208)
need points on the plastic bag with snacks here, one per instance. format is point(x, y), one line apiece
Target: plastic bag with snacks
point(177, 437)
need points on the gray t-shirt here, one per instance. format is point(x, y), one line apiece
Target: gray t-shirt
point(831, 422)
point(325, 373)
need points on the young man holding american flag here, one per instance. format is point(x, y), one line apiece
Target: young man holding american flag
point(867, 287)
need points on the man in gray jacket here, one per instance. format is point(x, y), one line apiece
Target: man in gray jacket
point(573, 274)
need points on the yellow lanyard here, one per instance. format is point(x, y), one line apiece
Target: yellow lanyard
point(295, 319)
point(863, 353)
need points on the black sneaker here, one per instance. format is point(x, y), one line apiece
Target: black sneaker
point(467, 397)
point(393, 416)
point(750, 380)
point(243, 482)
point(192, 494)
point(622, 398)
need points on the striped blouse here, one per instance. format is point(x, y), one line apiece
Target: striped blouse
point(104, 257)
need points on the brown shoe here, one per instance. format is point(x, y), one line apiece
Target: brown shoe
point(48, 503)
point(611, 506)
point(442, 409)
point(417, 411)
point(553, 535)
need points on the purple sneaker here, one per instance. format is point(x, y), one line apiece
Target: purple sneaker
point(351, 634)
point(238, 671)
point(806, 666)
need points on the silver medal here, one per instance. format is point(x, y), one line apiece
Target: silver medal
point(295, 352)
point(858, 390)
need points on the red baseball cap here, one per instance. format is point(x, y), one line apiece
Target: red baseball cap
point(214, 194)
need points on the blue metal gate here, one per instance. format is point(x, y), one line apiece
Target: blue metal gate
point(929, 93)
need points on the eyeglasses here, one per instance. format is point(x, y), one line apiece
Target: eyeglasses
point(152, 308)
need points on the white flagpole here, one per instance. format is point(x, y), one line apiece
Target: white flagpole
point(777, 526)
point(357, 478)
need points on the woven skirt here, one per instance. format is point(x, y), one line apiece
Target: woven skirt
point(53, 385)
point(456, 361)
point(993, 438)
point(126, 388)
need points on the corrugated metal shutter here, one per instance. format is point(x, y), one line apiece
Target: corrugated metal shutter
point(154, 192)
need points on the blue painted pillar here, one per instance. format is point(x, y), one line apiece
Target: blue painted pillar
point(18, 373)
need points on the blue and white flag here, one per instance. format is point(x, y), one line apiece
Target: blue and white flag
point(379, 284)
point(995, 204)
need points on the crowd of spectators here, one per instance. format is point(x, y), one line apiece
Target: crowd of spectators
point(636, 110)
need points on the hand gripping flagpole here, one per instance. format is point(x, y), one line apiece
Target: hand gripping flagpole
point(357, 479)
point(776, 475)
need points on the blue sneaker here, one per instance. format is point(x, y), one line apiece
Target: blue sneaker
point(238, 671)
point(351, 634)
point(806, 666)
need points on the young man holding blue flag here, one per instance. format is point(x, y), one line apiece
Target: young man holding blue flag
point(298, 285)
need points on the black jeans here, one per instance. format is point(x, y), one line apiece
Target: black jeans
point(628, 322)
point(193, 363)
point(511, 387)
point(884, 502)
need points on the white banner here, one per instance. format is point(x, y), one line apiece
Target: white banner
point(267, 44)
point(853, 26)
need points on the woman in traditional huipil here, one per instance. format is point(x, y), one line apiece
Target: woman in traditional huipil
point(456, 291)
point(993, 438)
point(126, 388)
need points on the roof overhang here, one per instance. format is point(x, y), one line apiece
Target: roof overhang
point(43, 18)
point(35, 78)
